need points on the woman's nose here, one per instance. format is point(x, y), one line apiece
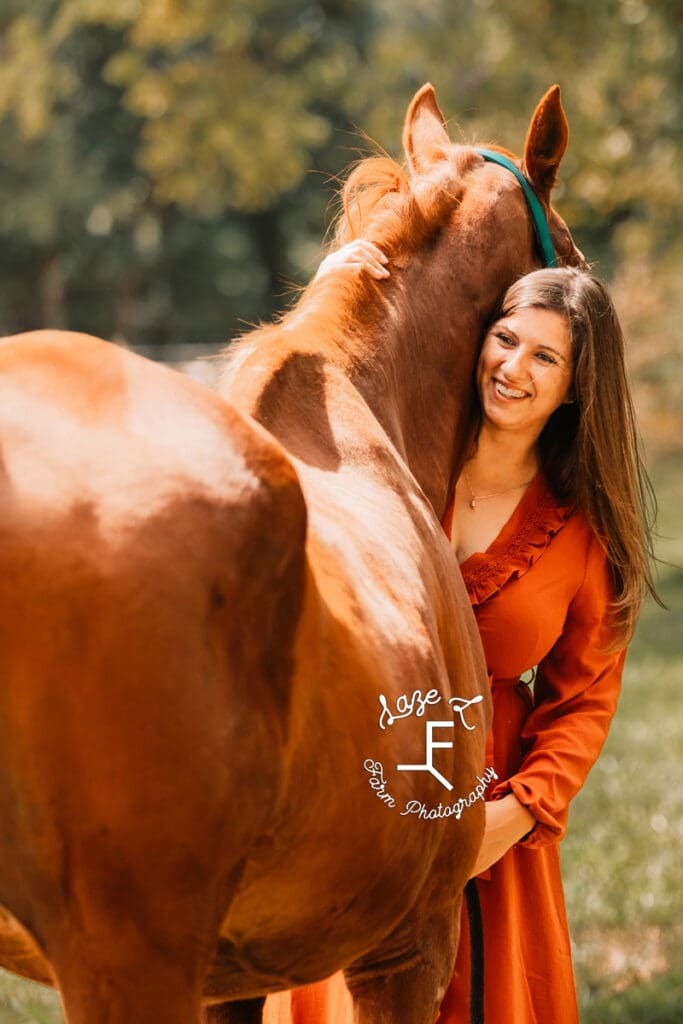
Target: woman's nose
point(515, 365)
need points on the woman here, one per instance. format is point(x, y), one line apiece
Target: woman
point(549, 527)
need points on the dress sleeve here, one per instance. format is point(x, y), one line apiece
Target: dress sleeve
point(575, 697)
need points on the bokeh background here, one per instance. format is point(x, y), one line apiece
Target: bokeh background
point(167, 175)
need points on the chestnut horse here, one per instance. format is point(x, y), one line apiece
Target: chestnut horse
point(230, 628)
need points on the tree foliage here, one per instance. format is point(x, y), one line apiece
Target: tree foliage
point(155, 175)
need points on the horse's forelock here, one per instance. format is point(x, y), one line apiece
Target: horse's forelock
point(380, 201)
point(370, 188)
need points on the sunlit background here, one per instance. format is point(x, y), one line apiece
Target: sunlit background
point(167, 174)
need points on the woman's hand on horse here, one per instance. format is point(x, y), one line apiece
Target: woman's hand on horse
point(357, 256)
point(507, 821)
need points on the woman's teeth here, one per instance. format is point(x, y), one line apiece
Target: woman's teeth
point(509, 392)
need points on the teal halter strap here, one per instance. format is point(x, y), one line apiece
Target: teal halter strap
point(537, 215)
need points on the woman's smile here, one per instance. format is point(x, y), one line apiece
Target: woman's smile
point(508, 392)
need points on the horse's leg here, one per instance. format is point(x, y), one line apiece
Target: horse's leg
point(405, 980)
point(106, 997)
point(246, 1011)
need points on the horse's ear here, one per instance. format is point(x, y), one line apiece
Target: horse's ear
point(425, 138)
point(546, 142)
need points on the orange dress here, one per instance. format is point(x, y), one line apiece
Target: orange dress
point(540, 594)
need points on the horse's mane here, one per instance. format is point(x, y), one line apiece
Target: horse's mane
point(374, 202)
point(378, 202)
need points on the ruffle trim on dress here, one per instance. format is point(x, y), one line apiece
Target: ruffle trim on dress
point(485, 574)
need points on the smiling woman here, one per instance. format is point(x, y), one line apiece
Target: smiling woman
point(554, 397)
point(550, 528)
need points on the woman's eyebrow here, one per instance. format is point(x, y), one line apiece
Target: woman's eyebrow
point(502, 326)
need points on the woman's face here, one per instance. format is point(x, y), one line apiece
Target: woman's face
point(525, 370)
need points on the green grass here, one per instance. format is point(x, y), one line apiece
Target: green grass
point(24, 1003)
point(621, 857)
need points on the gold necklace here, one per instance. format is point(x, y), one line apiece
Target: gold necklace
point(474, 498)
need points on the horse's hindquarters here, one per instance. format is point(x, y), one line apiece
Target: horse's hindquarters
point(149, 594)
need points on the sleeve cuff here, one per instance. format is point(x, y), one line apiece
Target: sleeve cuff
point(549, 828)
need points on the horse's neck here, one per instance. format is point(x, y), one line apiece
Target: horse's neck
point(420, 380)
point(417, 378)
point(375, 391)
point(390, 364)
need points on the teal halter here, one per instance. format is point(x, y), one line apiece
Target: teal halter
point(537, 215)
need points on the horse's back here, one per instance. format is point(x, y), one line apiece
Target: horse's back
point(84, 419)
point(148, 533)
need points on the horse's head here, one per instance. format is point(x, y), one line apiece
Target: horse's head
point(455, 212)
point(458, 232)
point(442, 172)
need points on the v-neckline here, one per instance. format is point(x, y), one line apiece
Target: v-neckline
point(509, 527)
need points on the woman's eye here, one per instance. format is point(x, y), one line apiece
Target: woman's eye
point(546, 358)
point(505, 339)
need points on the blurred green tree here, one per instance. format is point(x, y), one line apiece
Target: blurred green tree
point(154, 178)
point(154, 183)
point(619, 64)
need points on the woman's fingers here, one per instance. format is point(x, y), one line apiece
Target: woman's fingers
point(358, 255)
point(371, 258)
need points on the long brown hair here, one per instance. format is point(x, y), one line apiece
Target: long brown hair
point(589, 448)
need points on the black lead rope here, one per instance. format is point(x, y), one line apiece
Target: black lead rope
point(476, 952)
